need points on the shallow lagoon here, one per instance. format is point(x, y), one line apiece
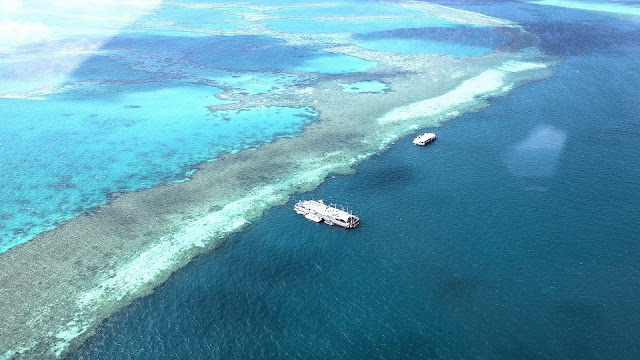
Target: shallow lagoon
point(71, 151)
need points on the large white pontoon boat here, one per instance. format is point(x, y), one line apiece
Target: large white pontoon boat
point(317, 211)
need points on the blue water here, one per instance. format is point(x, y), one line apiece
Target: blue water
point(241, 53)
point(417, 46)
point(211, 19)
point(459, 41)
point(354, 8)
point(134, 115)
point(311, 26)
point(514, 235)
point(66, 154)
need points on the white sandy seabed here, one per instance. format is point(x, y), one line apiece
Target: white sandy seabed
point(489, 83)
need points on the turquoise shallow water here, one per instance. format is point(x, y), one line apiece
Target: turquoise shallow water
point(514, 235)
point(354, 8)
point(302, 25)
point(211, 19)
point(459, 41)
point(417, 46)
point(68, 153)
point(134, 112)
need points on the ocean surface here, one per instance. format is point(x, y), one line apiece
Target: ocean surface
point(515, 235)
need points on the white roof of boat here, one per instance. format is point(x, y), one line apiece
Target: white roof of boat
point(320, 207)
point(426, 135)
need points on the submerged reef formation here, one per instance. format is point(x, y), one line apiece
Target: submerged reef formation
point(57, 287)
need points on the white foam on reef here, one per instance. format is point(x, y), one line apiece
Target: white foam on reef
point(488, 83)
point(459, 15)
point(22, 97)
point(613, 8)
point(517, 66)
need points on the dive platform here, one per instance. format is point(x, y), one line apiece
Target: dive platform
point(318, 211)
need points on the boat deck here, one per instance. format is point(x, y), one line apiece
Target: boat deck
point(318, 211)
point(424, 139)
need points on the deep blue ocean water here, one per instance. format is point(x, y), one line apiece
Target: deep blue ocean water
point(513, 236)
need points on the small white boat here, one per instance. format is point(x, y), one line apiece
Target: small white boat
point(424, 139)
